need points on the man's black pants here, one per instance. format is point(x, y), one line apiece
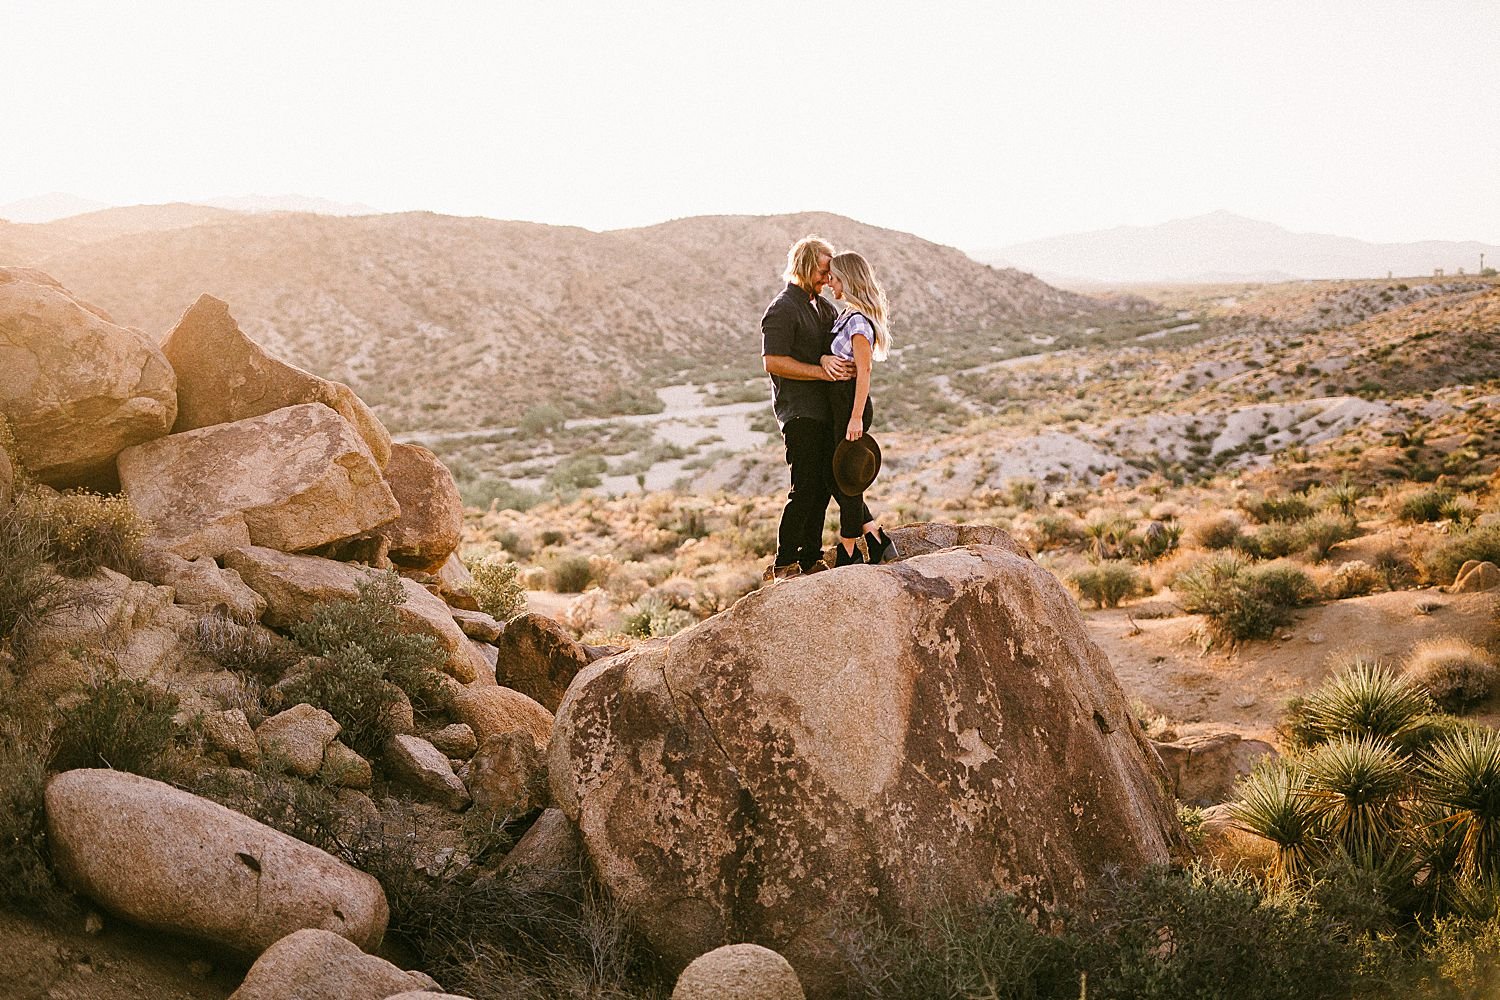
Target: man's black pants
point(809, 452)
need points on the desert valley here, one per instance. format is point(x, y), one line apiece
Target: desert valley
point(1236, 524)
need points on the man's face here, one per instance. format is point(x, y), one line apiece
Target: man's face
point(820, 276)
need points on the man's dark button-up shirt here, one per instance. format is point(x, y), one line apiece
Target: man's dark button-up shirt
point(800, 327)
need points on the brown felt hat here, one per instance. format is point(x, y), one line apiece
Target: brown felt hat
point(856, 464)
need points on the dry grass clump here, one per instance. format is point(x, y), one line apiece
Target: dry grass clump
point(1274, 507)
point(1419, 506)
point(1456, 673)
point(1241, 600)
point(1352, 579)
point(1214, 531)
point(86, 530)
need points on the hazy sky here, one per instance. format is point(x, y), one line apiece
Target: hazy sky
point(975, 124)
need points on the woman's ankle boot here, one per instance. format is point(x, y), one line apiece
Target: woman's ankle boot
point(843, 557)
point(882, 549)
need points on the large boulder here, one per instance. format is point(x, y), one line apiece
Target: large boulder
point(76, 388)
point(873, 739)
point(295, 586)
point(539, 658)
point(168, 860)
point(317, 965)
point(424, 768)
point(507, 776)
point(292, 479)
point(496, 711)
point(432, 513)
point(224, 376)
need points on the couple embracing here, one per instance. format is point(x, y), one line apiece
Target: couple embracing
point(819, 357)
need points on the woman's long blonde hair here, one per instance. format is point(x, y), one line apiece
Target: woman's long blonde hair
point(863, 293)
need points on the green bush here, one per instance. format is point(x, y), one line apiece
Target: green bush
point(1277, 507)
point(1345, 496)
point(1272, 541)
point(497, 588)
point(1320, 534)
point(1216, 531)
point(1419, 506)
point(119, 723)
point(571, 574)
point(654, 616)
point(30, 591)
point(1441, 563)
point(349, 685)
point(372, 623)
point(1457, 674)
point(1054, 531)
point(1107, 583)
point(577, 472)
point(27, 883)
point(1242, 601)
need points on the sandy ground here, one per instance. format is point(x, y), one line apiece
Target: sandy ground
point(1245, 690)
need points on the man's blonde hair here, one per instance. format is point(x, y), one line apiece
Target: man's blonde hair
point(862, 292)
point(802, 260)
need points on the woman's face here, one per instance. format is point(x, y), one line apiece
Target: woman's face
point(836, 284)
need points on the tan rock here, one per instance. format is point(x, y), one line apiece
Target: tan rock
point(1479, 576)
point(495, 711)
point(294, 586)
point(224, 376)
point(229, 732)
point(457, 740)
point(539, 658)
point(75, 388)
point(738, 972)
point(508, 775)
point(551, 844)
point(923, 537)
point(299, 736)
point(456, 584)
point(968, 739)
point(477, 625)
point(170, 861)
point(200, 583)
point(295, 478)
point(317, 965)
point(423, 768)
point(345, 768)
point(1202, 769)
point(420, 995)
point(432, 513)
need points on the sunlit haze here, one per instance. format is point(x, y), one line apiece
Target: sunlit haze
point(974, 124)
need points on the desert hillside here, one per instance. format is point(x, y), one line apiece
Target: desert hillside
point(460, 322)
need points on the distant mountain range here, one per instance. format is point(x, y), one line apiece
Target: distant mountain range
point(55, 206)
point(1222, 246)
point(446, 322)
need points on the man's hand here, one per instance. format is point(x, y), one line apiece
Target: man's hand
point(835, 368)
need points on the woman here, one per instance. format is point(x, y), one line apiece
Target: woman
point(860, 334)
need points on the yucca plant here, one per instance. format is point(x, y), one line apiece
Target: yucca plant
point(1273, 804)
point(1345, 495)
point(1460, 779)
point(1366, 698)
point(1358, 788)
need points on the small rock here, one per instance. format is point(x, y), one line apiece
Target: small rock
point(93, 923)
point(420, 765)
point(478, 625)
point(229, 732)
point(739, 972)
point(493, 711)
point(457, 740)
point(201, 968)
point(318, 965)
point(1476, 577)
point(345, 768)
point(300, 735)
point(508, 776)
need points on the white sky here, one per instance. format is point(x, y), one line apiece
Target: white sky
point(974, 124)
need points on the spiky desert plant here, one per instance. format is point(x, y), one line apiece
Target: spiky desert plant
point(1345, 495)
point(1273, 804)
point(1365, 698)
point(1460, 779)
point(1358, 787)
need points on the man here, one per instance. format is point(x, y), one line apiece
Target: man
point(795, 334)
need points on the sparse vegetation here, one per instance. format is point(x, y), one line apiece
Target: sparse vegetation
point(497, 588)
point(1455, 673)
point(1241, 600)
point(1107, 583)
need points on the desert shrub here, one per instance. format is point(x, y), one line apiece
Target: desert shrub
point(1364, 697)
point(307, 810)
point(570, 574)
point(372, 623)
point(1271, 507)
point(1441, 563)
point(1356, 788)
point(1460, 784)
point(27, 883)
point(497, 588)
point(1215, 531)
point(488, 492)
point(577, 472)
point(1455, 673)
point(256, 652)
point(1054, 531)
point(1464, 954)
point(1156, 540)
point(30, 591)
point(1320, 534)
point(1421, 505)
point(540, 419)
point(1352, 579)
point(1463, 510)
point(1241, 601)
point(349, 685)
point(653, 615)
point(86, 530)
point(1107, 583)
point(119, 723)
point(1272, 541)
point(1394, 566)
point(1344, 496)
point(1106, 535)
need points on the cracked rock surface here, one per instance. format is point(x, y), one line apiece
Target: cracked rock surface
point(875, 738)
